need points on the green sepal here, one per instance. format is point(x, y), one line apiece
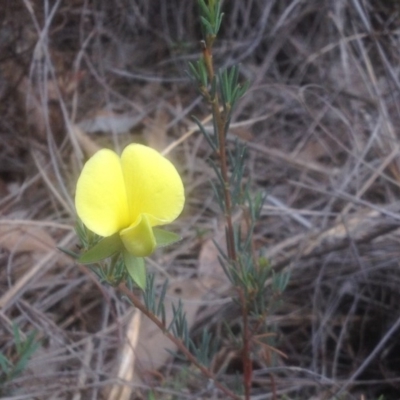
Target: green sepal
point(104, 249)
point(165, 238)
point(136, 269)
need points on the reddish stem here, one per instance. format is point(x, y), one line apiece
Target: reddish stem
point(220, 122)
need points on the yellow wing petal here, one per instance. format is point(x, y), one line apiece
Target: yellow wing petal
point(100, 199)
point(153, 185)
point(139, 239)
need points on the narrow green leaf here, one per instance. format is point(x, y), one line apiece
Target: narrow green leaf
point(165, 238)
point(218, 21)
point(160, 306)
point(104, 249)
point(222, 86)
point(213, 145)
point(214, 85)
point(149, 295)
point(150, 396)
point(194, 72)
point(203, 72)
point(207, 26)
point(69, 253)
point(4, 363)
point(136, 269)
point(24, 358)
point(204, 8)
point(162, 314)
point(176, 312)
point(234, 76)
point(17, 339)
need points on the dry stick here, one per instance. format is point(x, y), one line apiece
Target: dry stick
point(230, 241)
point(178, 342)
point(34, 273)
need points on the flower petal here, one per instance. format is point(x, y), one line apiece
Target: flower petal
point(139, 239)
point(100, 199)
point(153, 185)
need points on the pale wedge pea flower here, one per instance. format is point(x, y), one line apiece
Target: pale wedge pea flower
point(124, 198)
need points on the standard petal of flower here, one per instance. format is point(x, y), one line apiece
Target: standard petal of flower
point(139, 239)
point(153, 185)
point(100, 199)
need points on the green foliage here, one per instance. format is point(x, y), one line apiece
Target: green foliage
point(165, 238)
point(198, 73)
point(150, 297)
point(178, 325)
point(111, 271)
point(103, 249)
point(13, 364)
point(258, 286)
point(179, 382)
point(231, 90)
point(210, 17)
point(87, 238)
point(103, 255)
point(151, 396)
point(136, 269)
point(206, 349)
point(108, 259)
point(246, 272)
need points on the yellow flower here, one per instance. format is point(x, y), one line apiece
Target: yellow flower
point(129, 195)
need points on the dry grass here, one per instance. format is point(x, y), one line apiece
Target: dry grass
point(321, 122)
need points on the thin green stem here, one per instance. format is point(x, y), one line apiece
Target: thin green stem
point(114, 260)
point(178, 342)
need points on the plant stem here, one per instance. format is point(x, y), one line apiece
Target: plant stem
point(247, 363)
point(220, 123)
point(178, 342)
